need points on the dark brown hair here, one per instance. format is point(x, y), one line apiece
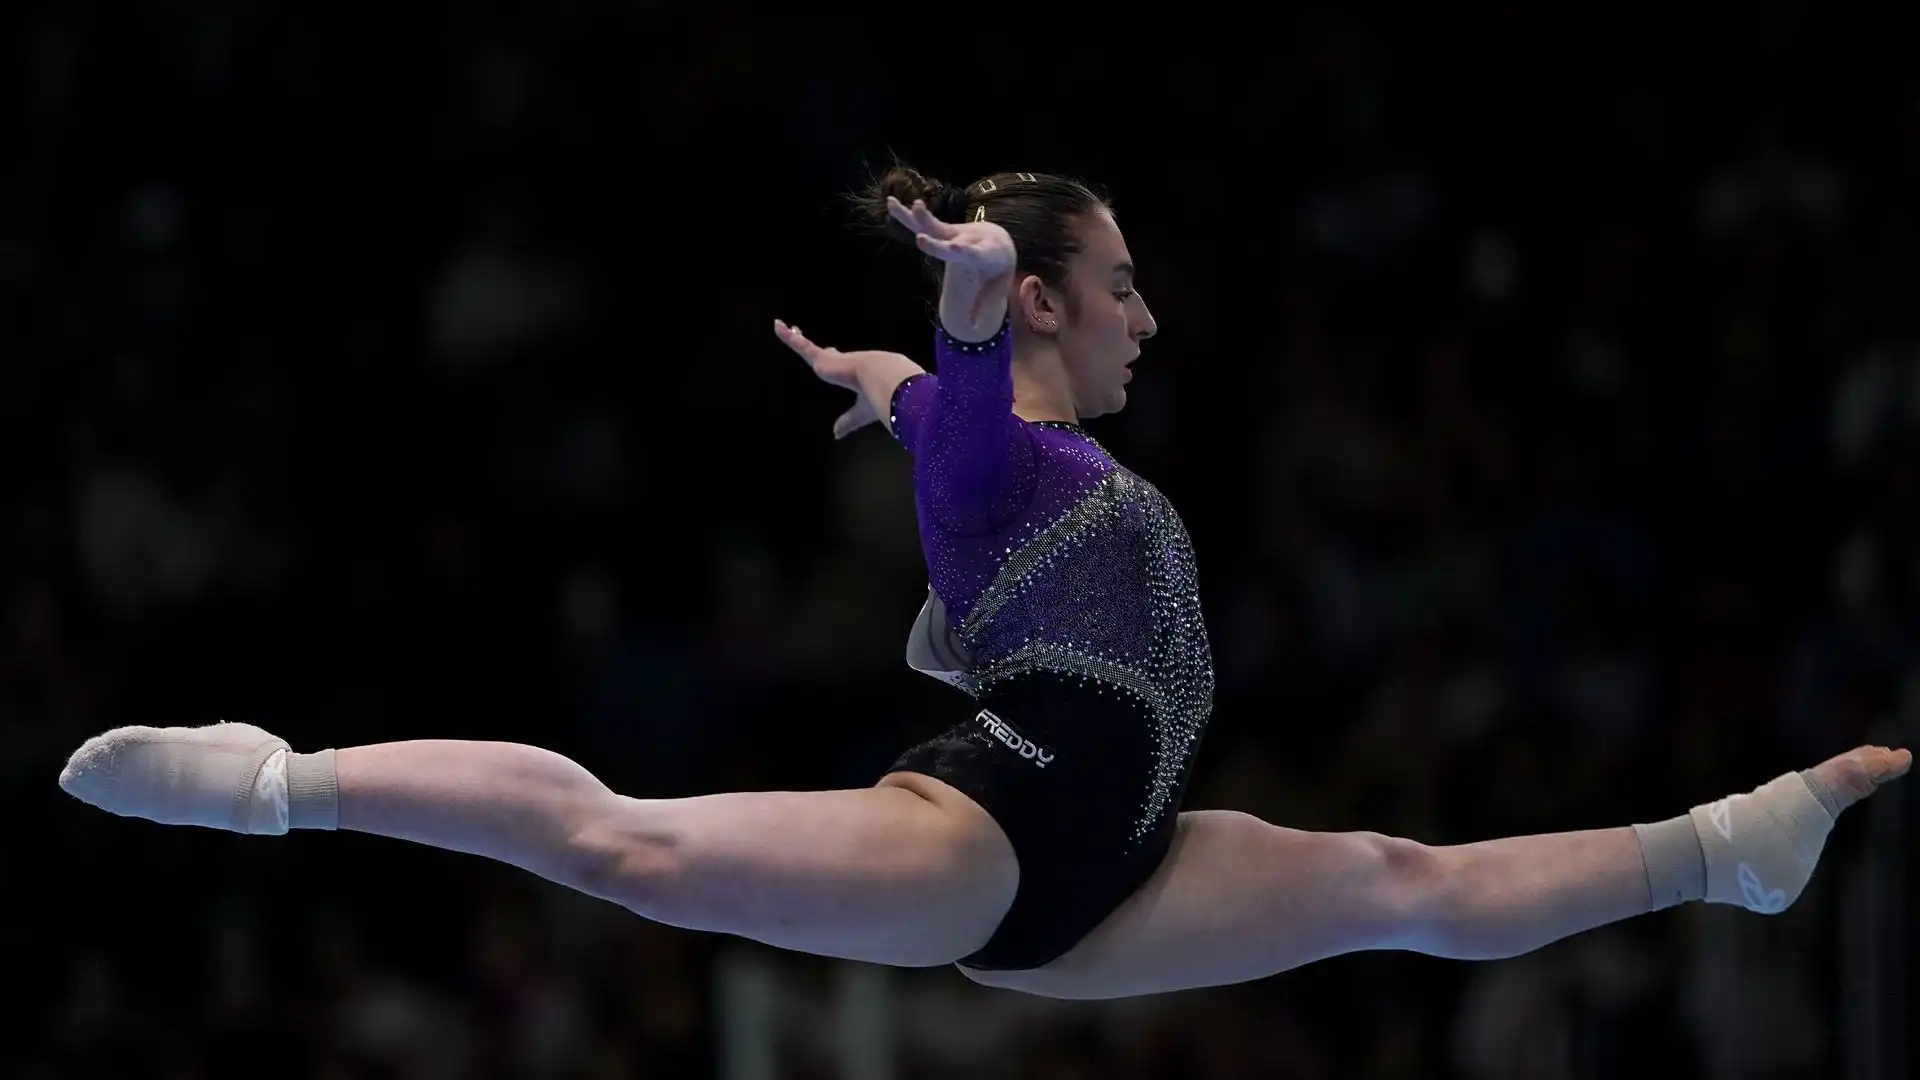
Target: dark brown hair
point(1038, 210)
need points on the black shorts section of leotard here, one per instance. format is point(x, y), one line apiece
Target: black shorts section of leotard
point(1064, 765)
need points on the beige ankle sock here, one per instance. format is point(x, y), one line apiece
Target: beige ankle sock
point(1755, 851)
point(313, 791)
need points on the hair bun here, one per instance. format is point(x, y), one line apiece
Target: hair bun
point(908, 185)
point(947, 202)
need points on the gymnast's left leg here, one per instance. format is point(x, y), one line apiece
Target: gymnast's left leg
point(1237, 899)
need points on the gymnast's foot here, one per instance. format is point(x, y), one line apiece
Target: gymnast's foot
point(1758, 850)
point(224, 776)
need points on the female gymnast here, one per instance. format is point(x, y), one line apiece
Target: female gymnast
point(1038, 843)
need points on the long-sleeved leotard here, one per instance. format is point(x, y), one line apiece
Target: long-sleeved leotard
point(1045, 557)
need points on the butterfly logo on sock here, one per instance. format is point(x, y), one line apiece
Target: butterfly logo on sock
point(1721, 814)
point(1759, 897)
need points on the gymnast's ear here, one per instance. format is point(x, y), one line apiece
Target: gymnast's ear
point(1036, 306)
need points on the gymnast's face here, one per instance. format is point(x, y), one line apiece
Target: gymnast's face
point(1101, 320)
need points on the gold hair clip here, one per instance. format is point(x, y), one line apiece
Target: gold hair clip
point(979, 213)
point(988, 186)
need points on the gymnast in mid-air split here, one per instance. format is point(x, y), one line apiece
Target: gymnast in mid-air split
point(1038, 843)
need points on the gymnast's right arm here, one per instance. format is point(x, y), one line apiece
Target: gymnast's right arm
point(971, 454)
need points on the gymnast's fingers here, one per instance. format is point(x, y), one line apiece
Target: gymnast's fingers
point(792, 338)
point(919, 219)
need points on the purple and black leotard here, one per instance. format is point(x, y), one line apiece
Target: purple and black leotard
point(1063, 599)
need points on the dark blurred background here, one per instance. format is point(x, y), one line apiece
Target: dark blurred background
point(1540, 385)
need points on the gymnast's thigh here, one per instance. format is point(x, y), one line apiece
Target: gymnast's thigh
point(1235, 899)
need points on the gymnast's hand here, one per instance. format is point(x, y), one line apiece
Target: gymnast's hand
point(873, 375)
point(980, 261)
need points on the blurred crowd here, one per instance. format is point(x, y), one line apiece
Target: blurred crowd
point(1547, 427)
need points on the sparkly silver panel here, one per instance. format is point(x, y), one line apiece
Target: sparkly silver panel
point(1107, 592)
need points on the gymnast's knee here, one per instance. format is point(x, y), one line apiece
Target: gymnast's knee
point(1404, 889)
point(1438, 901)
point(641, 868)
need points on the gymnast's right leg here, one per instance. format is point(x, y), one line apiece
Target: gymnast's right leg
point(1237, 899)
point(910, 873)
